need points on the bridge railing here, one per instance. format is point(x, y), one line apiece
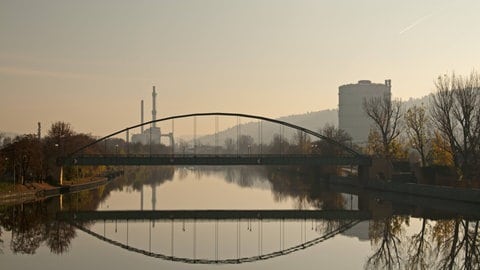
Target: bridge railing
point(268, 159)
point(179, 155)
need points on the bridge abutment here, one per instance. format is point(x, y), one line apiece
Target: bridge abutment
point(379, 169)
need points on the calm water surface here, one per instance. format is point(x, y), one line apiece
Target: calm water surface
point(401, 233)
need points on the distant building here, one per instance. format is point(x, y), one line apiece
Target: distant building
point(150, 135)
point(153, 134)
point(351, 116)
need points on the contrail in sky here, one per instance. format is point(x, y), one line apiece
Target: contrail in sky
point(415, 23)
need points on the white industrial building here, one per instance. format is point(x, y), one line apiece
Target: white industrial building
point(351, 115)
point(153, 134)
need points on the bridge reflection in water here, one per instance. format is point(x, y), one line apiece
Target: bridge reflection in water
point(215, 236)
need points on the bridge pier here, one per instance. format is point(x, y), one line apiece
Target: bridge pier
point(363, 175)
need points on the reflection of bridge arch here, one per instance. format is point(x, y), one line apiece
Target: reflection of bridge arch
point(342, 228)
point(256, 117)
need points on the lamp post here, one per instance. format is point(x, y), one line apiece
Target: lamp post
point(57, 146)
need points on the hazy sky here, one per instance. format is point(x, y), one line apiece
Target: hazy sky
point(91, 62)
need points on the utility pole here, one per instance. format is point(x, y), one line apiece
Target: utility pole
point(154, 107)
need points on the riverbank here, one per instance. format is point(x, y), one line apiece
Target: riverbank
point(469, 195)
point(38, 191)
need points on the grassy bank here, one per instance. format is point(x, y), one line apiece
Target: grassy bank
point(6, 187)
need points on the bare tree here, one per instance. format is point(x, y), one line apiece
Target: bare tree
point(229, 146)
point(244, 144)
point(60, 130)
point(301, 142)
point(386, 115)
point(417, 122)
point(336, 134)
point(455, 111)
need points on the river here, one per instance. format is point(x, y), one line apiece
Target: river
point(342, 227)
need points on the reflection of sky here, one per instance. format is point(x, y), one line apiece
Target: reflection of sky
point(204, 192)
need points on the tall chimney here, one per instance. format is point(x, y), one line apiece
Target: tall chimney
point(388, 83)
point(141, 114)
point(39, 131)
point(154, 107)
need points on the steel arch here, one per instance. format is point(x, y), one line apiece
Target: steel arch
point(290, 125)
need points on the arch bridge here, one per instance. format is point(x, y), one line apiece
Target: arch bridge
point(101, 151)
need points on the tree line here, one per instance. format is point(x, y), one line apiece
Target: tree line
point(28, 158)
point(445, 132)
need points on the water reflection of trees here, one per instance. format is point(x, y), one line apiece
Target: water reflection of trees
point(33, 224)
point(442, 244)
point(386, 237)
point(419, 248)
point(1, 241)
point(458, 244)
point(136, 177)
point(59, 235)
point(243, 176)
point(286, 182)
point(27, 228)
point(307, 190)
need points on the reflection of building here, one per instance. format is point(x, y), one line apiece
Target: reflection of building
point(153, 134)
point(359, 231)
point(351, 116)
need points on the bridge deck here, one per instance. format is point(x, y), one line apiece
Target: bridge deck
point(216, 214)
point(216, 160)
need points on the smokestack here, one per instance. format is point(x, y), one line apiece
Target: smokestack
point(141, 114)
point(388, 83)
point(39, 132)
point(154, 107)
